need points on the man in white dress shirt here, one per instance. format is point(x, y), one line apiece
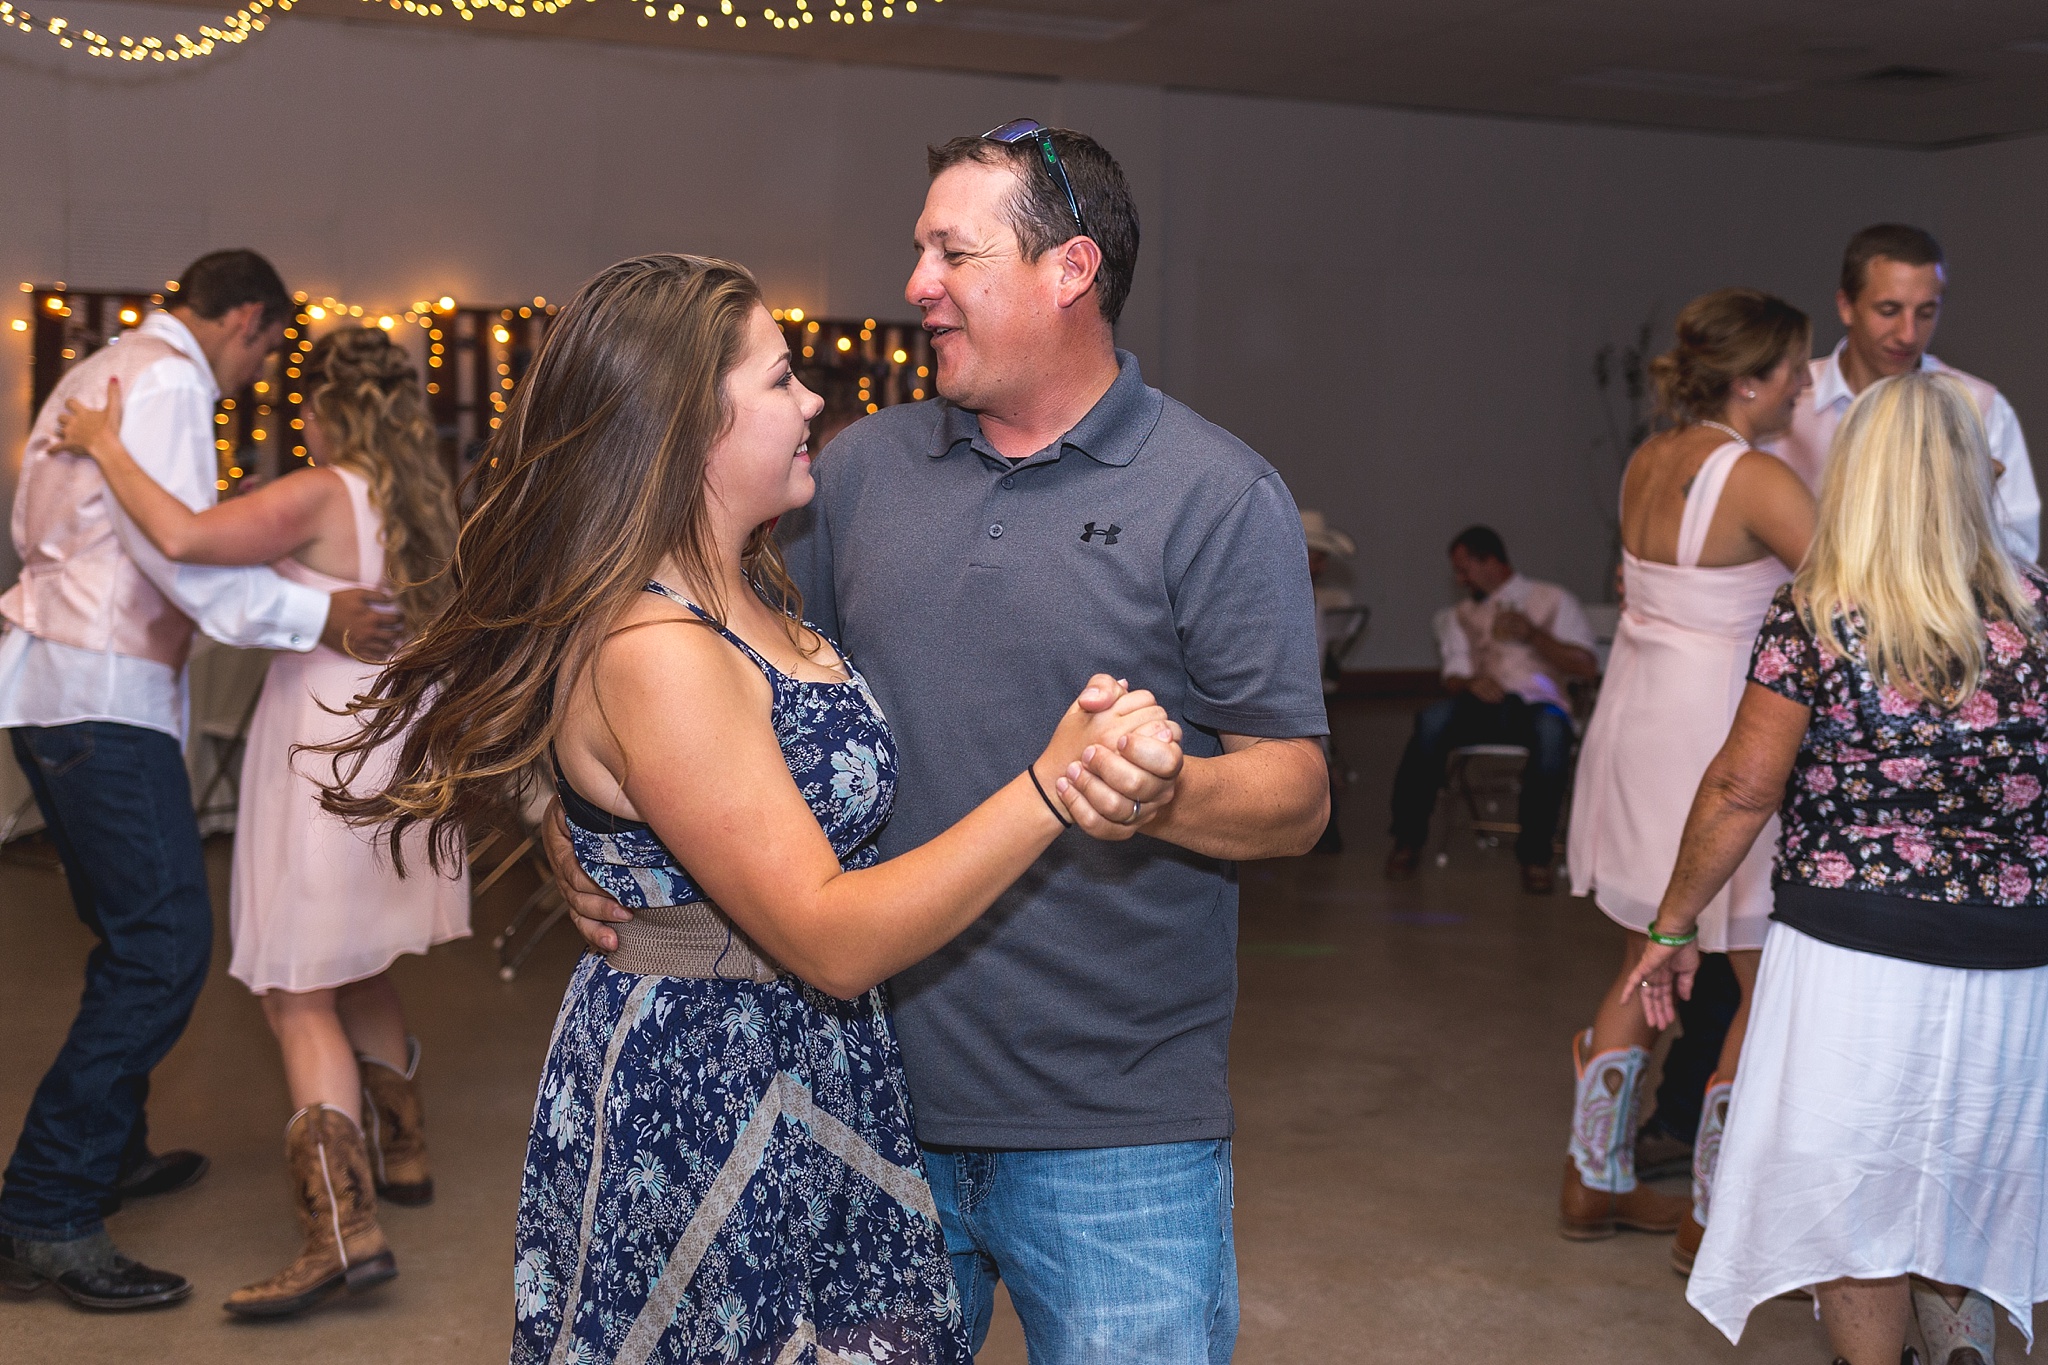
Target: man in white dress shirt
point(1889, 299)
point(1509, 652)
point(93, 696)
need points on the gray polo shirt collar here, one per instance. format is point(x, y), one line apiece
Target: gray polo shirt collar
point(1112, 433)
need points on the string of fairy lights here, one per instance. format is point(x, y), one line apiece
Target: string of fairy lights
point(474, 357)
point(244, 24)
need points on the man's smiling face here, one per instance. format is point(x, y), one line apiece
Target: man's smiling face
point(987, 308)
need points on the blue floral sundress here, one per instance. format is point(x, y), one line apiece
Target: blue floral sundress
point(725, 1170)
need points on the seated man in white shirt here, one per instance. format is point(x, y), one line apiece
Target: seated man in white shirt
point(1509, 652)
point(93, 696)
point(1889, 299)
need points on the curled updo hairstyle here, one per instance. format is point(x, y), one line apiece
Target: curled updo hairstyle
point(1724, 336)
point(365, 394)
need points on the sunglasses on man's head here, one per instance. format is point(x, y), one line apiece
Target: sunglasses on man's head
point(1030, 129)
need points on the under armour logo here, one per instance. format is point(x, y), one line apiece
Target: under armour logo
point(1108, 534)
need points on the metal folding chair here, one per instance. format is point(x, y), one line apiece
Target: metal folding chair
point(14, 819)
point(515, 943)
point(225, 744)
point(1489, 806)
point(1347, 627)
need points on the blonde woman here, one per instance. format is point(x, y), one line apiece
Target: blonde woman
point(318, 913)
point(1888, 1135)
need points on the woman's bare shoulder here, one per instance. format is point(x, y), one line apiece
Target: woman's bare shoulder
point(1760, 473)
point(661, 649)
point(309, 489)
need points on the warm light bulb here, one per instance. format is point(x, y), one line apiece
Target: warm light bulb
point(445, 304)
point(845, 343)
point(129, 316)
point(316, 312)
point(900, 356)
point(20, 326)
point(500, 335)
point(796, 315)
point(387, 322)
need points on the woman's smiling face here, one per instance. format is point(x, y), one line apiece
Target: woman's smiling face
point(761, 467)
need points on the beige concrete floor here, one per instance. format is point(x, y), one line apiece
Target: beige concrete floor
point(1402, 1087)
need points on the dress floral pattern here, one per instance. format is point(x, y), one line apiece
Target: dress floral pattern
point(1904, 798)
point(725, 1171)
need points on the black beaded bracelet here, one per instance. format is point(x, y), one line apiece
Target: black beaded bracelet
point(1057, 813)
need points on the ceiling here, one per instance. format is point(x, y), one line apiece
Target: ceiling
point(1902, 73)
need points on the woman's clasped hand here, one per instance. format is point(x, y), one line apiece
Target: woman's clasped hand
point(1116, 754)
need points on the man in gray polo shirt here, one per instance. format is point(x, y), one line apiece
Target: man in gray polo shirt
point(980, 557)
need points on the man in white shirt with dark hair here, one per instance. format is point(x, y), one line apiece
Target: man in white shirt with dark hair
point(93, 648)
point(1509, 652)
point(1889, 299)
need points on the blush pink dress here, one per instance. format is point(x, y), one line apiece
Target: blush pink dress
point(314, 902)
point(1680, 661)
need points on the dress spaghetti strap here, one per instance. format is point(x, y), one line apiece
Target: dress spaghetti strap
point(661, 589)
point(1702, 499)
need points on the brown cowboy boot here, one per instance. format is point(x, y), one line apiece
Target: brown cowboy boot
point(337, 1212)
point(1601, 1196)
point(394, 1128)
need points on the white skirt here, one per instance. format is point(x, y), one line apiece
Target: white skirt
point(1888, 1118)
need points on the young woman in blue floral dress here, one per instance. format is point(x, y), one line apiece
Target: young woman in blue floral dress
point(722, 1166)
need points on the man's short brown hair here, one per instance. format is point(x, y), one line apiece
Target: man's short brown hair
point(1894, 242)
point(221, 280)
point(1039, 214)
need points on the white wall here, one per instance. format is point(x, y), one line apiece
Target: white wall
point(1399, 310)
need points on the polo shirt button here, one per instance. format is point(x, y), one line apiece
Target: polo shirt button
point(1009, 481)
point(995, 532)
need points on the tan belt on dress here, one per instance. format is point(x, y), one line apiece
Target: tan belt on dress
point(694, 941)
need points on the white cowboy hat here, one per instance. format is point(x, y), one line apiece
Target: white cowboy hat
point(1325, 537)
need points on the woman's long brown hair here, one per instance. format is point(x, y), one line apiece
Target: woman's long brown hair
point(596, 476)
point(365, 394)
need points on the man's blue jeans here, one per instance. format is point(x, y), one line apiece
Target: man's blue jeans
point(119, 809)
point(1113, 1255)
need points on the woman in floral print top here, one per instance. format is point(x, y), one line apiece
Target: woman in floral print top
point(1894, 795)
point(1889, 1121)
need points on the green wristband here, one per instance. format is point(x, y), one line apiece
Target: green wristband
point(1669, 940)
